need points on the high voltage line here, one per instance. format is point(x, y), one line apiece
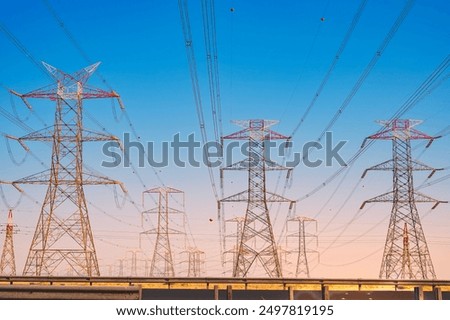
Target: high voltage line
point(28, 129)
point(86, 57)
point(332, 66)
point(187, 35)
point(209, 27)
point(363, 76)
point(337, 56)
point(426, 88)
point(432, 82)
point(379, 52)
point(73, 40)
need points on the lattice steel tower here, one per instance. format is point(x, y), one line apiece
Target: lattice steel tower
point(302, 250)
point(63, 236)
point(235, 238)
point(162, 260)
point(257, 241)
point(195, 260)
point(406, 254)
point(8, 260)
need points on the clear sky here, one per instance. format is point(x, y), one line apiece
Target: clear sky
point(272, 57)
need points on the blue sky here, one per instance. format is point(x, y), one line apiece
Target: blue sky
point(272, 57)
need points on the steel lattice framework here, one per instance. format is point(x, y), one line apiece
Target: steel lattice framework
point(235, 238)
point(195, 261)
point(8, 260)
point(302, 267)
point(406, 254)
point(63, 236)
point(162, 260)
point(257, 241)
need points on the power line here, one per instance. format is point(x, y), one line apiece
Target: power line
point(431, 83)
point(404, 13)
point(357, 215)
point(28, 129)
point(60, 22)
point(359, 82)
point(16, 121)
point(322, 85)
point(333, 64)
point(352, 192)
point(23, 49)
point(25, 127)
point(86, 57)
point(354, 261)
point(307, 57)
point(356, 239)
point(209, 28)
point(187, 34)
point(433, 182)
point(71, 38)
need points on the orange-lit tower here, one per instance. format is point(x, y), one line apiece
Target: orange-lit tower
point(8, 261)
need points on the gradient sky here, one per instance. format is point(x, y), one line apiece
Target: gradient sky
point(272, 57)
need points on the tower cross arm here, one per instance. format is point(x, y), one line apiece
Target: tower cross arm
point(246, 134)
point(47, 135)
point(389, 197)
point(384, 166)
point(420, 197)
point(44, 177)
point(237, 197)
point(93, 179)
point(273, 197)
point(52, 93)
point(244, 165)
point(163, 190)
point(400, 129)
point(415, 165)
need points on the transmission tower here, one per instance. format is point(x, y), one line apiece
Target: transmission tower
point(8, 261)
point(162, 260)
point(133, 263)
point(302, 250)
point(235, 238)
point(63, 236)
point(257, 241)
point(195, 260)
point(121, 267)
point(406, 254)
